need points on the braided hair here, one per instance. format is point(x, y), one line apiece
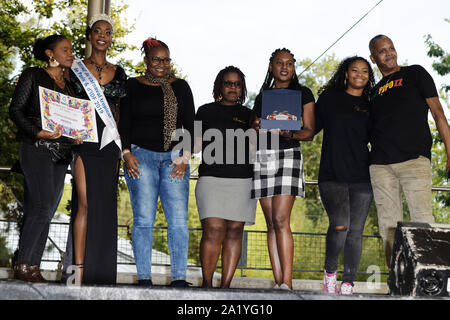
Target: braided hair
point(151, 43)
point(217, 90)
point(338, 80)
point(268, 81)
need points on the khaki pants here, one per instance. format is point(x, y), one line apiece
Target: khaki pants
point(413, 177)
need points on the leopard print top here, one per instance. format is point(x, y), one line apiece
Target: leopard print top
point(170, 107)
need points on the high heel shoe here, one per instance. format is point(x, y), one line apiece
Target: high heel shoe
point(206, 284)
point(79, 269)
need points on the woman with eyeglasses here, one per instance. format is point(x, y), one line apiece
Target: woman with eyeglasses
point(158, 105)
point(277, 187)
point(225, 178)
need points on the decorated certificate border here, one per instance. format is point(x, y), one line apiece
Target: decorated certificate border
point(75, 117)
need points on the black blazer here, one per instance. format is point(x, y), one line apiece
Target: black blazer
point(25, 109)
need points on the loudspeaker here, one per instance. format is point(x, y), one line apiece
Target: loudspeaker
point(420, 264)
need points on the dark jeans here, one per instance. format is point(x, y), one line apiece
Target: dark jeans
point(44, 182)
point(347, 206)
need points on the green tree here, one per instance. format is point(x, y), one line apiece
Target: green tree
point(441, 65)
point(19, 28)
point(314, 78)
point(11, 34)
point(442, 62)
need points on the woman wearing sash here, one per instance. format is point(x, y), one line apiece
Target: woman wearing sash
point(44, 173)
point(277, 191)
point(92, 243)
point(157, 104)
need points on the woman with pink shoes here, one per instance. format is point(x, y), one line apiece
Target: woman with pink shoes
point(342, 111)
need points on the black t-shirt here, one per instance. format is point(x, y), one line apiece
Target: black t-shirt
point(142, 114)
point(399, 116)
point(284, 143)
point(345, 122)
point(220, 117)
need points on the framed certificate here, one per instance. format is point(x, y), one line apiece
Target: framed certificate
point(75, 117)
point(281, 109)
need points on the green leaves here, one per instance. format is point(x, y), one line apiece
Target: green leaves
point(442, 63)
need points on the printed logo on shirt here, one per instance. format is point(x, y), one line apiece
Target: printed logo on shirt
point(236, 119)
point(362, 110)
point(390, 85)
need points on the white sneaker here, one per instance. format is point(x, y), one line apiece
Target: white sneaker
point(346, 289)
point(284, 286)
point(329, 282)
point(276, 287)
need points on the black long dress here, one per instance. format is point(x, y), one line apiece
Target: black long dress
point(101, 172)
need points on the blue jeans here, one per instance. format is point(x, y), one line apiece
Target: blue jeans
point(174, 195)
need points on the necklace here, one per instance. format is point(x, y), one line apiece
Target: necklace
point(98, 68)
point(60, 80)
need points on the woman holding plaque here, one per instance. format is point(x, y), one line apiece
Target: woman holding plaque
point(223, 188)
point(92, 242)
point(342, 111)
point(278, 171)
point(43, 155)
point(157, 106)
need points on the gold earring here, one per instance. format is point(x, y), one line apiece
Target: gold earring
point(52, 62)
point(219, 98)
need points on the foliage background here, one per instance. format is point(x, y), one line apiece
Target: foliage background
point(21, 25)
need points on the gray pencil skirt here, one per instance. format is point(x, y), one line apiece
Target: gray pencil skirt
point(225, 198)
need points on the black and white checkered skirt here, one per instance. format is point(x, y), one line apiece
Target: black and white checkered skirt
point(278, 172)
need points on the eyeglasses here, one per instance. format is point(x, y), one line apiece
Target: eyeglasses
point(158, 60)
point(230, 84)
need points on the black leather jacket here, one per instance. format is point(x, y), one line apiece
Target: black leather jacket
point(25, 109)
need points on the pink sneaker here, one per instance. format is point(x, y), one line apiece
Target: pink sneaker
point(329, 282)
point(346, 289)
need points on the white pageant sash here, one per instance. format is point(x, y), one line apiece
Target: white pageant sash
point(98, 99)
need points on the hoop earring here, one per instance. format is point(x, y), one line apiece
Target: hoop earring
point(52, 62)
point(219, 98)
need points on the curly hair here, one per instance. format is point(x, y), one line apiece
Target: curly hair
point(268, 81)
point(217, 90)
point(338, 80)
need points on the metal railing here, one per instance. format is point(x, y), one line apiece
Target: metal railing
point(309, 249)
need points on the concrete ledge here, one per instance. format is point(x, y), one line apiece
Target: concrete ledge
point(18, 290)
point(237, 283)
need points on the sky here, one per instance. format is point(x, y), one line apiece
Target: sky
point(205, 36)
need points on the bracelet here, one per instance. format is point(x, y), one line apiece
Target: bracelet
point(124, 152)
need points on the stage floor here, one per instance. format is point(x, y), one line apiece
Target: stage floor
point(17, 290)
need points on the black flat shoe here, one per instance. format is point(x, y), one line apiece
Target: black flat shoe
point(145, 283)
point(180, 284)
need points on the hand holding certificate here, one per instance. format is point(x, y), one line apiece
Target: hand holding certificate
point(281, 109)
point(74, 117)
